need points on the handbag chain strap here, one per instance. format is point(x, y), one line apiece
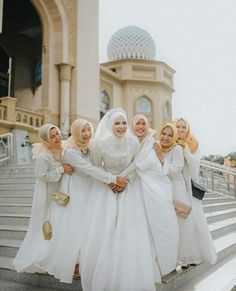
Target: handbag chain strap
point(68, 185)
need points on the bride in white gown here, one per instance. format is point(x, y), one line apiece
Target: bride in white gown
point(117, 254)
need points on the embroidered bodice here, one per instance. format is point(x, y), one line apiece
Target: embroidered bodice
point(114, 154)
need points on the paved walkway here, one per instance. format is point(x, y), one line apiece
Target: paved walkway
point(11, 286)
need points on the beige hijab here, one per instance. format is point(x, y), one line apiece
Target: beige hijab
point(44, 136)
point(189, 137)
point(76, 140)
point(149, 131)
point(175, 136)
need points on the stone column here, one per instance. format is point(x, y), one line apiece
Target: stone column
point(65, 86)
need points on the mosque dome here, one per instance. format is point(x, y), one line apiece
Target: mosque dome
point(131, 42)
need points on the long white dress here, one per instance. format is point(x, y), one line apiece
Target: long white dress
point(117, 254)
point(65, 245)
point(188, 246)
point(203, 236)
point(34, 247)
point(158, 200)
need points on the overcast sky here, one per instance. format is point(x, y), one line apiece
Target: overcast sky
point(198, 39)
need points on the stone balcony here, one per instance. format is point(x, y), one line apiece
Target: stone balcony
point(16, 117)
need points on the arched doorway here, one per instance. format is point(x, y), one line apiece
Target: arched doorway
point(4, 65)
point(21, 38)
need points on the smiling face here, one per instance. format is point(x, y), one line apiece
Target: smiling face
point(140, 129)
point(182, 129)
point(86, 133)
point(55, 137)
point(166, 137)
point(119, 127)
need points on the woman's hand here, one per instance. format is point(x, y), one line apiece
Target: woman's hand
point(121, 181)
point(68, 169)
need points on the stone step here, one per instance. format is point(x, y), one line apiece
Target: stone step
point(14, 219)
point(222, 227)
point(15, 208)
point(6, 170)
point(17, 186)
point(9, 247)
point(215, 200)
point(16, 199)
point(17, 175)
point(7, 273)
point(220, 215)
point(225, 246)
point(218, 278)
point(212, 195)
point(24, 180)
point(11, 286)
point(17, 232)
point(219, 206)
point(16, 192)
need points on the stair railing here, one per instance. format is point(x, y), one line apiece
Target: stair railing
point(6, 147)
point(218, 177)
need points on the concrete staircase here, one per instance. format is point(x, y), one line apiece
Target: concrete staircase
point(16, 191)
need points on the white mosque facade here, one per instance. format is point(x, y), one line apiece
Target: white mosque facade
point(50, 72)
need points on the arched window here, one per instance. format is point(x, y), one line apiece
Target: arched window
point(104, 103)
point(144, 106)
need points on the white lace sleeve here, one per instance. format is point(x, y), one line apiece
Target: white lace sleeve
point(174, 167)
point(96, 154)
point(43, 170)
point(75, 159)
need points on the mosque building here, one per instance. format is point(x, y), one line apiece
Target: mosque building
point(50, 72)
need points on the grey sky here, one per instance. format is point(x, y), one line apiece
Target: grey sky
point(198, 39)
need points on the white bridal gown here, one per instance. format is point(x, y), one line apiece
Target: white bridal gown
point(158, 200)
point(188, 247)
point(33, 249)
point(64, 248)
point(203, 236)
point(117, 254)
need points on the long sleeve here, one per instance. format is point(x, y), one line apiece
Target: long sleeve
point(74, 158)
point(45, 172)
point(174, 167)
point(193, 162)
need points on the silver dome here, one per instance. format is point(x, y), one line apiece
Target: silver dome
point(131, 42)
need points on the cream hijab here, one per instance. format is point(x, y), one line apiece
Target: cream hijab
point(175, 136)
point(149, 131)
point(189, 137)
point(44, 136)
point(76, 140)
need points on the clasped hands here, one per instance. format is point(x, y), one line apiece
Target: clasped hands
point(119, 186)
point(68, 169)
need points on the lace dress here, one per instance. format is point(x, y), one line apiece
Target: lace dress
point(117, 252)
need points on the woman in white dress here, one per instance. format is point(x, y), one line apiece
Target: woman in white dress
point(157, 195)
point(63, 254)
point(117, 254)
point(48, 169)
point(173, 166)
point(192, 157)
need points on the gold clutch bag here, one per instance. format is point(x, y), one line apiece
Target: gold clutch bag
point(60, 197)
point(182, 209)
point(47, 230)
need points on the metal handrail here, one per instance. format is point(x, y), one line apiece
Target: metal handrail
point(6, 141)
point(219, 177)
